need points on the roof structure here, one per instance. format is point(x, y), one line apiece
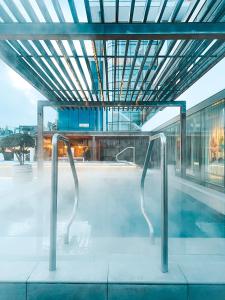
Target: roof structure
point(121, 51)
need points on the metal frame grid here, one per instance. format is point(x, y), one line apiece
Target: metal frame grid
point(105, 51)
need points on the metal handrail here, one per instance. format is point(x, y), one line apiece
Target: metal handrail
point(164, 201)
point(125, 149)
point(54, 193)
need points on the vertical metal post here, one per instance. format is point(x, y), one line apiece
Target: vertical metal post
point(164, 209)
point(94, 148)
point(134, 155)
point(40, 152)
point(183, 139)
point(53, 208)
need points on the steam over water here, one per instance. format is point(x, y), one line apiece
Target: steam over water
point(108, 210)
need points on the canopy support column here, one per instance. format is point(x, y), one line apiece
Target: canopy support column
point(40, 142)
point(183, 139)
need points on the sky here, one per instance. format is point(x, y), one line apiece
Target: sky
point(19, 99)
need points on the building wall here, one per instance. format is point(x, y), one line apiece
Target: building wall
point(80, 120)
point(205, 145)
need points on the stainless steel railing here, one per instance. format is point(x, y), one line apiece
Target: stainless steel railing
point(54, 195)
point(125, 149)
point(164, 201)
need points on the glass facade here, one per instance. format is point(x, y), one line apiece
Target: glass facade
point(204, 144)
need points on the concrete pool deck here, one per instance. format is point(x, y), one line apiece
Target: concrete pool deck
point(113, 268)
point(122, 272)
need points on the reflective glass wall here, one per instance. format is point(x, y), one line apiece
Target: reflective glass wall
point(205, 145)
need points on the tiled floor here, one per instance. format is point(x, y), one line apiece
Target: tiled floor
point(118, 276)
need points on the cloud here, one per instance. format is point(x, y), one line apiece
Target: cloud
point(21, 84)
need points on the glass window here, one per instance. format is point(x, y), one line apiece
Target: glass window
point(213, 148)
point(193, 144)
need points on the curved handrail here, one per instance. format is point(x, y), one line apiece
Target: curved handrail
point(54, 192)
point(125, 149)
point(164, 207)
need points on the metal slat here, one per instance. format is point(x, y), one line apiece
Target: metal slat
point(131, 11)
point(80, 68)
point(117, 11)
point(67, 59)
point(182, 65)
point(70, 66)
point(75, 19)
point(146, 56)
point(167, 71)
point(89, 18)
point(196, 70)
point(147, 74)
point(14, 61)
point(62, 68)
point(35, 66)
point(48, 18)
point(124, 69)
point(147, 8)
point(49, 61)
point(17, 46)
point(132, 67)
point(30, 10)
point(172, 62)
point(15, 11)
point(115, 69)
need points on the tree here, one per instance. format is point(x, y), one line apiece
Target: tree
point(18, 144)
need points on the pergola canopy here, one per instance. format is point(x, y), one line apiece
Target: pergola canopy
point(121, 51)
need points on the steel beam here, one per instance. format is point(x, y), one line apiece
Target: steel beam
point(112, 31)
point(115, 104)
